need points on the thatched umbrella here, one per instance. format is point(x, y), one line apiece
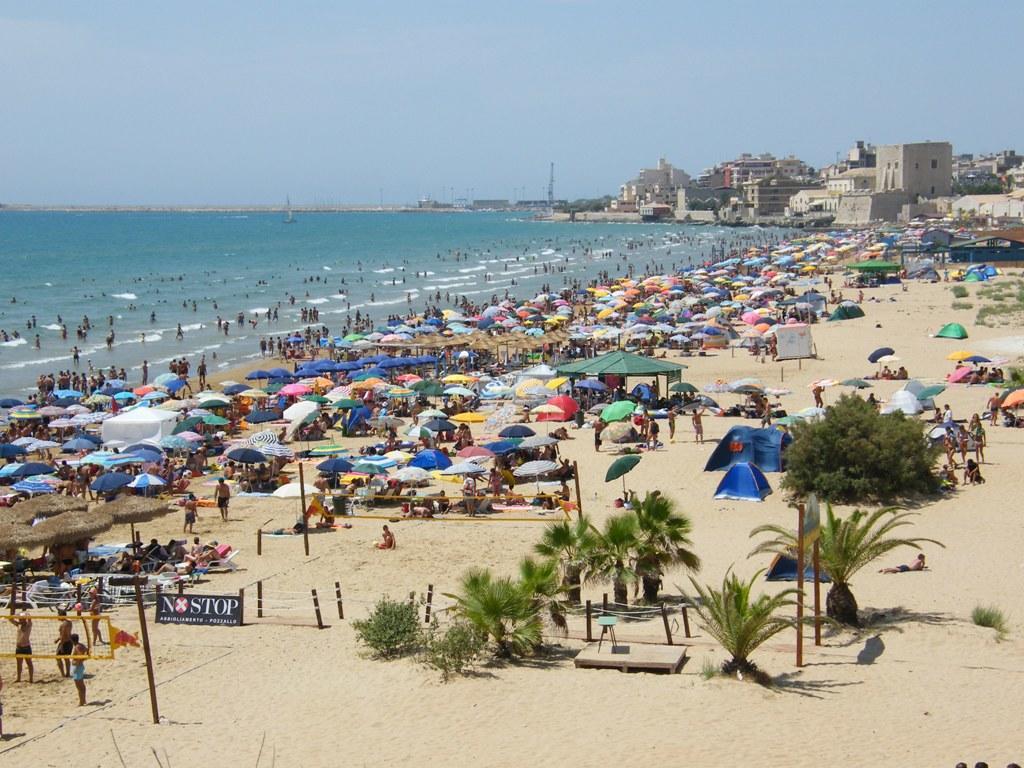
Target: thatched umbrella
point(72, 527)
point(15, 536)
point(51, 505)
point(16, 516)
point(135, 509)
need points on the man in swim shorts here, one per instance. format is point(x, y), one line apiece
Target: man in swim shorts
point(917, 565)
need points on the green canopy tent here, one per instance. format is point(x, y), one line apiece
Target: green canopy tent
point(623, 364)
point(875, 267)
point(952, 331)
point(846, 311)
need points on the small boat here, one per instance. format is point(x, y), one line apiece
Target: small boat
point(288, 217)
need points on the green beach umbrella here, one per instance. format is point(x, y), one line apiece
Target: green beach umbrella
point(933, 391)
point(354, 337)
point(428, 387)
point(620, 468)
point(214, 403)
point(682, 386)
point(274, 387)
point(347, 402)
point(317, 399)
point(215, 421)
point(856, 383)
point(327, 450)
point(623, 409)
point(187, 424)
point(369, 468)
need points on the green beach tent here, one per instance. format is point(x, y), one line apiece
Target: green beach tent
point(846, 311)
point(952, 331)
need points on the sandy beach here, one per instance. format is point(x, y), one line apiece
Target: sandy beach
point(920, 686)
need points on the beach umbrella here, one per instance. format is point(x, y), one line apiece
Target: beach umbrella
point(111, 481)
point(469, 417)
point(464, 468)
point(136, 509)
point(387, 422)
point(262, 417)
point(10, 402)
point(516, 430)
point(618, 432)
point(294, 491)
point(976, 359)
point(879, 353)
point(327, 450)
point(147, 455)
point(174, 443)
point(30, 469)
point(1013, 399)
point(369, 468)
point(430, 459)
point(593, 384)
point(53, 410)
point(346, 403)
point(620, 468)
point(187, 424)
point(215, 421)
point(233, 389)
point(458, 391)
point(9, 451)
point(501, 447)
point(538, 441)
point(32, 486)
point(72, 527)
point(49, 506)
point(929, 392)
point(855, 383)
point(618, 411)
point(411, 475)
point(548, 409)
point(294, 390)
point(147, 480)
point(334, 466)
point(475, 452)
point(428, 388)
point(439, 425)
point(246, 456)
point(535, 469)
point(683, 386)
point(960, 354)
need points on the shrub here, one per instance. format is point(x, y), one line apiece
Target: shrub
point(505, 611)
point(392, 629)
point(962, 305)
point(855, 454)
point(454, 650)
point(990, 616)
point(709, 670)
point(959, 291)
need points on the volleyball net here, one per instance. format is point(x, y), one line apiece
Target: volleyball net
point(41, 635)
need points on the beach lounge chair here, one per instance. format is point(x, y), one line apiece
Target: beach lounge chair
point(225, 559)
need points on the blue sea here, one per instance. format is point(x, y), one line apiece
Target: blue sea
point(61, 267)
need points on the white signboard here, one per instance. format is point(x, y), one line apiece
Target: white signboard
point(794, 342)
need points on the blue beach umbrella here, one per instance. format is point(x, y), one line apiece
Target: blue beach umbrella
point(111, 481)
point(76, 444)
point(33, 486)
point(257, 375)
point(246, 456)
point(261, 417)
point(334, 466)
point(147, 480)
point(517, 430)
point(430, 459)
point(8, 451)
point(10, 402)
point(31, 468)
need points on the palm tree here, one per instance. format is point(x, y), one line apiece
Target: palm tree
point(614, 554)
point(737, 622)
point(568, 542)
point(501, 609)
point(664, 541)
point(845, 547)
point(540, 581)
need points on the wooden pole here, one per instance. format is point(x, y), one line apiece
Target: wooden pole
point(817, 595)
point(259, 542)
point(181, 587)
point(305, 522)
point(604, 602)
point(430, 602)
point(800, 587)
point(259, 599)
point(590, 635)
point(579, 495)
point(241, 603)
point(664, 620)
point(147, 651)
point(337, 594)
point(316, 607)
point(686, 622)
point(14, 588)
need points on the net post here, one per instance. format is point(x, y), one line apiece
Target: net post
point(147, 651)
point(316, 608)
point(430, 603)
point(305, 520)
point(686, 621)
point(664, 620)
point(241, 603)
point(337, 594)
point(259, 599)
point(579, 495)
point(590, 634)
point(259, 542)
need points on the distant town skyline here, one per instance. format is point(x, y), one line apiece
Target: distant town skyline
point(233, 103)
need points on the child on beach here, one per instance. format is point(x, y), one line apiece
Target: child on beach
point(78, 668)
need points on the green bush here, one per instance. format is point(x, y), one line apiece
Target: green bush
point(990, 616)
point(959, 291)
point(454, 650)
point(855, 454)
point(962, 305)
point(392, 630)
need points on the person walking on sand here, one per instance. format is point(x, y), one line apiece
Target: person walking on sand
point(698, 426)
point(23, 644)
point(191, 515)
point(95, 608)
point(78, 668)
point(223, 497)
point(818, 401)
point(672, 413)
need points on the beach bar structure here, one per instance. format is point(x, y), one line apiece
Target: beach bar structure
point(623, 364)
point(1000, 246)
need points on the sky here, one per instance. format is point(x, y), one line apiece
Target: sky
point(355, 102)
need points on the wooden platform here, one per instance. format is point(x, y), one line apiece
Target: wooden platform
point(633, 657)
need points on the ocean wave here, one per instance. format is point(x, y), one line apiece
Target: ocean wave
point(259, 310)
point(479, 268)
point(384, 270)
point(13, 343)
point(327, 269)
point(127, 296)
point(317, 301)
point(35, 361)
point(52, 327)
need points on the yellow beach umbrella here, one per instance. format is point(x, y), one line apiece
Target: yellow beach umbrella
point(469, 417)
point(556, 382)
point(457, 378)
point(960, 354)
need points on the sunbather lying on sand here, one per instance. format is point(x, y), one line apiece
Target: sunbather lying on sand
point(917, 565)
